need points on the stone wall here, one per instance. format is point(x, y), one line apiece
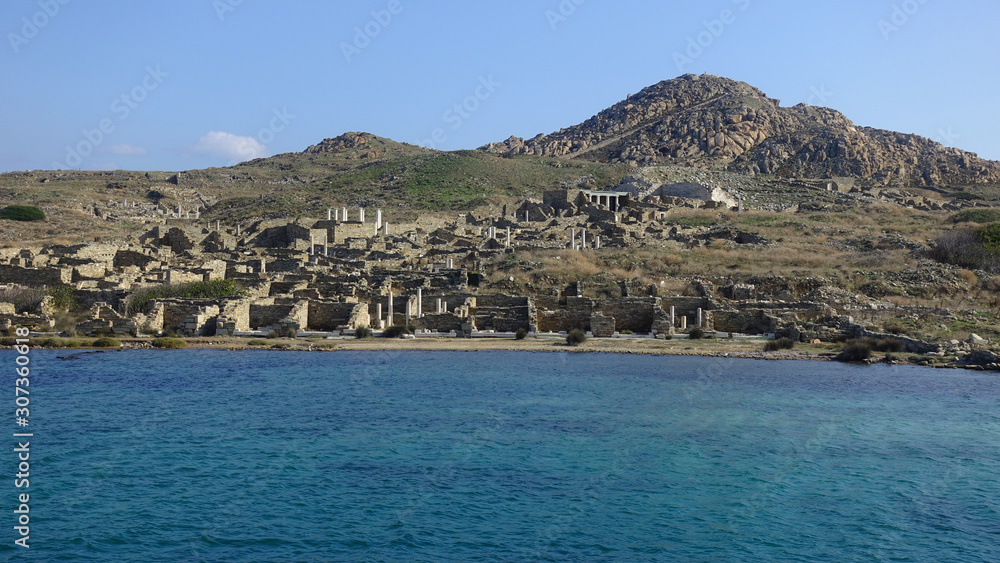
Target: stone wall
point(554, 316)
point(35, 276)
point(630, 313)
point(441, 322)
point(262, 315)
point(190, 317)
point(505, 313)
point(335, 315)
point(602, 326)
point(747, 321)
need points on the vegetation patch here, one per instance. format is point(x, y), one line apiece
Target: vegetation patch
point(576, 337)
point(855, 350)
point(141, 300)
point(362, 332)
point(106, 342)
point(169, 343)
point(977, 216)
point(779, 344)
point(22, 213)
point(398, 331)
point(25, 299)
point(970, 248)
point(521, 334)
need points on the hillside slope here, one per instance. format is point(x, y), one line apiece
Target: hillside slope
point(713, 122)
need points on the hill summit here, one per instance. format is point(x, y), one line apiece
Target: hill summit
point(712, 122)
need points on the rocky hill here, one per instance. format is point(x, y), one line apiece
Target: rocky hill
point(717, 123)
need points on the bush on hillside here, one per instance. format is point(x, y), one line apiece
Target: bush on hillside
point(576, 337)
point(970, 248)
point(141, 300)
point(855, 350)
point(397, 331)
point(22, 213)
point(169, 343)
point(779, 344)
point(987, 215)
point(888, 345)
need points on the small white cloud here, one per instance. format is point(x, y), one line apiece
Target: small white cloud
point(233, 147)
point(126, 150)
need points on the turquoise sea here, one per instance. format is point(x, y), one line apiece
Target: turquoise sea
point(502, 456)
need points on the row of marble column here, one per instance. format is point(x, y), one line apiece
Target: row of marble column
point(413, 310)
point(699, 319)
point(340, 215)
point(582, 244)
point(491, 233)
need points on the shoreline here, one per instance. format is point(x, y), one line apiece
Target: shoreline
point(706, 348)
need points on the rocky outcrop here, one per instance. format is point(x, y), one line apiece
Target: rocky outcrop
point(713, 122)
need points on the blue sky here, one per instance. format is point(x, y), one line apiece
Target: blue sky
point(185, 84)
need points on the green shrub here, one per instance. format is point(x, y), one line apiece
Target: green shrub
point(257, 342)
point(855, 350)
point(169, 343)
point(25, 299)
point(48, 343)
point(696, 333)
point(779, 344)
point(62, 297)
point(22, 213)
point(576, 337)
point(626, 331)
point(991, 237)
point(976, 216)
point(73, 344)
point(106, 342)
point(287, 332)
point(362, 332)
point(888, 345)
point(396, 331)
point(965, 196)
point(141, 300)
point(521, 334)
point(970, 248)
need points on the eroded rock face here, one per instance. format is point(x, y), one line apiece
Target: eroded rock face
point(713, 122)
